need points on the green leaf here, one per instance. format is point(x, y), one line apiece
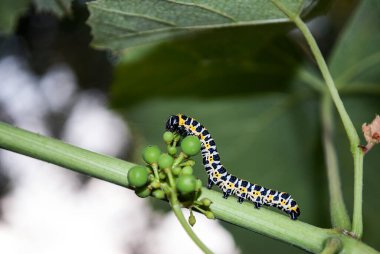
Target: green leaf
point(355, 61)
point(58, 7)
point(210, 64)
point(118, 24)
point(10, 11)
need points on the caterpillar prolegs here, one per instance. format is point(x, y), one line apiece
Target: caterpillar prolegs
point(218, 175)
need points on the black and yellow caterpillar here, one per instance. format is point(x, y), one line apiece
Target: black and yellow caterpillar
point(228, 183)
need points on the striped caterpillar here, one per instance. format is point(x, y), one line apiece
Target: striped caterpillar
point(218, 175)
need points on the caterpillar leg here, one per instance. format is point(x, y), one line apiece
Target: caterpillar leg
point(218, 175)
point(295, 212)
point(210, 183)
point(293, 215)
point(228, 185)
point(257, 205)
point(226, 194)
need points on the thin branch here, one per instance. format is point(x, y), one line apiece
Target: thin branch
point(353, 137)
point(178, 213)
point(338, 211)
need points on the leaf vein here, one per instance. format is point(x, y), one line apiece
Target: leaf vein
point(207, 8)
point(193, 28)
point(158, 20)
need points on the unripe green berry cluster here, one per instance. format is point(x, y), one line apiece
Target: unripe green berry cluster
point(168, 172)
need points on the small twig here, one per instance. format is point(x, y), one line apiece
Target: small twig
point(338, 211)
point(178, 213)
point(353, 137)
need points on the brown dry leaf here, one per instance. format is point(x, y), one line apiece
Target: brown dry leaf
point(371, 133)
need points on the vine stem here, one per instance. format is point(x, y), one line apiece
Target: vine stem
point(176, 207)
point(353, 137)
point(338, 211)
point(263, 221)
point(178, 213)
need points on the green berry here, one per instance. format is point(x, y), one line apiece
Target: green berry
point(192, 219)
point(186, 184)
point(187, 170)
point(165, 161)
point(161, 175)
point(176, 171)
point(168, 136)
point(138, 176)
point(206, 202)
point(143, 192)
point(151, 154)
point(209, 215)
point(160, 194)
point(198, 185)
point(191, 145)
point(172, 150)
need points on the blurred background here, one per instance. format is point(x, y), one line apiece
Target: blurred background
point(250, 86)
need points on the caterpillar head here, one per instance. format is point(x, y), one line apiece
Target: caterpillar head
point(173, 123)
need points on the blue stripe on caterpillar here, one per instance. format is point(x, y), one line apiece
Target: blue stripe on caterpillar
point(218, 174)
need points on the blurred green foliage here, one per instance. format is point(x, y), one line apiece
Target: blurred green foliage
point(224, 62)
point(244, 85)
point(11, 10)
point(58, 7)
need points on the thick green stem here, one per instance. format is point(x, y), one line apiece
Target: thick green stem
point(59, 153)
point(357, 224)
point(338, 211)
point(275, 225)
point(77, 159)
point(263, 221)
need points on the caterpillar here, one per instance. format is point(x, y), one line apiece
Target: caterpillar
point(218, 174)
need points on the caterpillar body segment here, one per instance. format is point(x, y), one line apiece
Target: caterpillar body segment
point(218, 174)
